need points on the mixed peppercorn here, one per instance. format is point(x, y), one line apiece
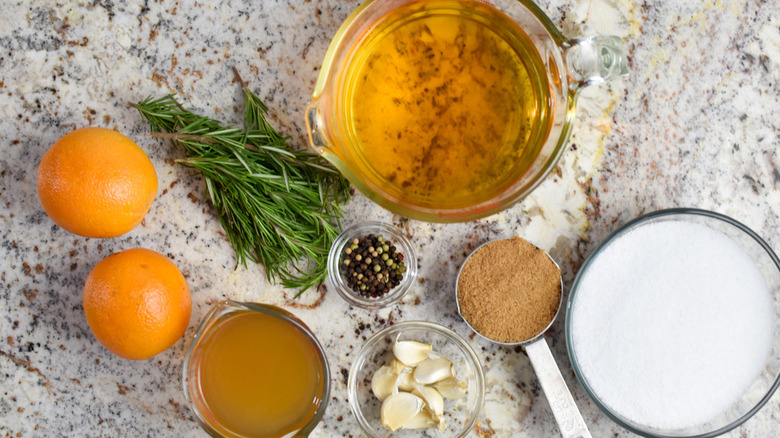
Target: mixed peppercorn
point(371, 266)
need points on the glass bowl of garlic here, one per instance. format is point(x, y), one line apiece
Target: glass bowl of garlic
point(414, 379)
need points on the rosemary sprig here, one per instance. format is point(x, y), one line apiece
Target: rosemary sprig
point(278, 206)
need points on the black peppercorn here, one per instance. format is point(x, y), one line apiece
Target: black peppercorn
point(372, 267)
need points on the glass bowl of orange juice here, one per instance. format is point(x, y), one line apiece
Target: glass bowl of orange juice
point(255, 370)
point(460, 414)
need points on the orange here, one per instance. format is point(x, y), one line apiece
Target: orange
point(137, 303)
point(96, 182)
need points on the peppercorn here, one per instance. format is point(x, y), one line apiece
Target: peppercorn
point(372, 267)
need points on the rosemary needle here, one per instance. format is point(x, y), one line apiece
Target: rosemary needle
point(278, 206)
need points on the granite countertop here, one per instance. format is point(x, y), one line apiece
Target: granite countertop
point(697, 124)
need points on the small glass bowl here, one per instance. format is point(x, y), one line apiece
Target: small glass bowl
point(193, 361)
point(765, 384)
point(461, 415)
point(394, 236)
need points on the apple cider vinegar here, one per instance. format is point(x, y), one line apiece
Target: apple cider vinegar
point(259, 375)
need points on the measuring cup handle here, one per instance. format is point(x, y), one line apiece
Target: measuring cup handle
point(594, 60)
point(564, 409)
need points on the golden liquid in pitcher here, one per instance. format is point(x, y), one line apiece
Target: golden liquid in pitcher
point(448, 101)
point(259, 375)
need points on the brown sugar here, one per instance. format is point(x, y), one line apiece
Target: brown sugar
point(509, 290)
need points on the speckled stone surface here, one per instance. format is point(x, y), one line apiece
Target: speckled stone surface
point(697, 124)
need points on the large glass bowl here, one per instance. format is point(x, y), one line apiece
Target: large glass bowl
point(767, 381)
point(461, 415)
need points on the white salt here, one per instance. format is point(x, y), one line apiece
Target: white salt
point(671, 324)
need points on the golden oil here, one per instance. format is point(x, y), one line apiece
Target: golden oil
point(447, 101)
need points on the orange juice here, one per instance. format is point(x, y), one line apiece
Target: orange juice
point(259, 375)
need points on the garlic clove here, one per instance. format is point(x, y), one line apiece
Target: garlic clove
point(442, 424)
point(406, 380)
point(383, 382)
point(411, 353)
point(398, 367)
point(431, 371)
point(422, 420)
point(434, 354)
point(452, 388)
point(398, 409)
point(434, 402)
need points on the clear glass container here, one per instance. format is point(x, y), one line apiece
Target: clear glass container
point(461, 415)
point(765, 384)
point(569, 65)
point(193, 363)
point(395, 237)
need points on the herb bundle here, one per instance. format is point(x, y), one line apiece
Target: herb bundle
point(278, 206)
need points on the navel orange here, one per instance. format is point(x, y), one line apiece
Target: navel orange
point(96, 182)
point(137, 303)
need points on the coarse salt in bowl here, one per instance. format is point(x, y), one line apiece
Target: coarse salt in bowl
point(394, 236)
point(672, 324)
point(460, 415)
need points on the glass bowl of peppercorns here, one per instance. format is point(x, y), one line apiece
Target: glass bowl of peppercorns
point(372, 265)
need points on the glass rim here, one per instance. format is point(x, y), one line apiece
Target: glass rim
point(447, 333)
point(586, 265)
point(225, 307)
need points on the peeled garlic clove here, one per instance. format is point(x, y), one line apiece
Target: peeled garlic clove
point(410, 352)
point(398, 409)
point(383, 382)
point(422, 420)
point(434, 354)
point(452, 388)
point(434, 402)
point(406, 380)
point(398, 367)
point(433, 370)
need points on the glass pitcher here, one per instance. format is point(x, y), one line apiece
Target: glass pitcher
point(451, 110)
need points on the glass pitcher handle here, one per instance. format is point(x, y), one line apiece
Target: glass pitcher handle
point(314, 127)
point(594, 60)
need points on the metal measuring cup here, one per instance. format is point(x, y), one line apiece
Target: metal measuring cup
point(566, 413)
